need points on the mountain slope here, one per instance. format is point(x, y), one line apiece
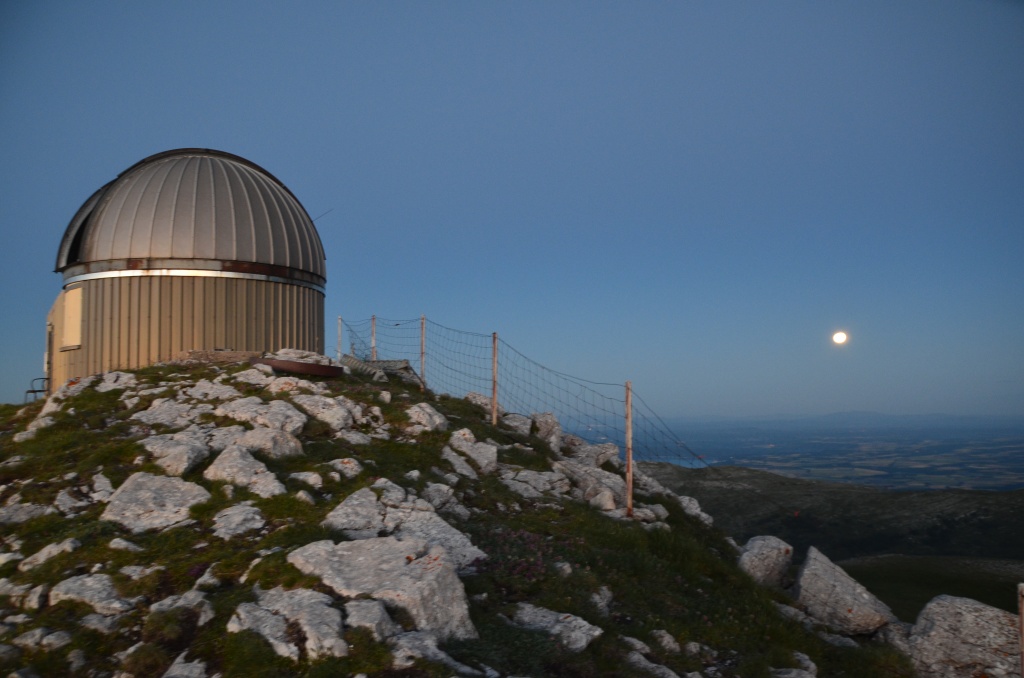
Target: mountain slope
point(204, 592)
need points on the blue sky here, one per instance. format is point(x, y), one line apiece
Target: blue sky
point(692, 196)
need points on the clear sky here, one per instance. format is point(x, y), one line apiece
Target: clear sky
point(690, 195)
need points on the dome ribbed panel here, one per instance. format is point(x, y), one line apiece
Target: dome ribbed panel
point(195, 204)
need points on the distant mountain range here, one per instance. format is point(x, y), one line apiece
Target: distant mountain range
point(856, 419)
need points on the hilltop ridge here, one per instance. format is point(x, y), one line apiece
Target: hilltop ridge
point(209, 520)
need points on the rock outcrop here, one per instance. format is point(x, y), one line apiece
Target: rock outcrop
point(962, 638)
point(410, 574)
point(834, 598)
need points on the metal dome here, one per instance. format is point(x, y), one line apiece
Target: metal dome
point(193, 210)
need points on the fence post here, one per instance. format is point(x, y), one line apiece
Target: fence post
point(423, 352)
point(339, 338)
point(629, 449)
point(494, 379)
point(1020, 614)
point(373, 337)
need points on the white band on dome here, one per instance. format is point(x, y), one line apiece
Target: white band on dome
point(190, 273)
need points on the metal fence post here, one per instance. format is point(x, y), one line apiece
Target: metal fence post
point(494, 379)
point(373, 337)
point(423, 352)
point(629, 449)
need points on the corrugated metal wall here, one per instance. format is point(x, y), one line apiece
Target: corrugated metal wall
point(137, 321)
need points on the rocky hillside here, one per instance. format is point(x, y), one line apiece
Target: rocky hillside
point(195, 520)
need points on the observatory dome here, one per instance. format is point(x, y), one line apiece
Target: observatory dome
point(193, 209)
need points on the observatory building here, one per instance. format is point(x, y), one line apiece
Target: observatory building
point(190, 249)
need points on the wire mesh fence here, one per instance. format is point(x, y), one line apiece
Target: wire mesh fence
point(457, 362)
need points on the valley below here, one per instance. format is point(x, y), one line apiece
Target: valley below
point(904, 545)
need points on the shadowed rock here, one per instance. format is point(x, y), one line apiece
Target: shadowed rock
point(961, 638)
point(766, 559)
point(834, 598)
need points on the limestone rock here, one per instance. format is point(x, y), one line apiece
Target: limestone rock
point(95, 590)
point(349, 467)
point(192, 599)
point(236, 520)
point(69, 503)
point(961, 638)
point(354, 437)
point(591, 455)
point(409, 574)
point(16, 592)
point(102, 490)
point(208, 390)
point(593, 482)
point(170, 413)
point(115, 380)
point(484, 455)
point(290, 384)
point(836, 599)
point(637, 660)
point(312, 611)
point(458, 463)
point(409, 523)
point(328, 410)
point(665, 640)
point(20, 513)
point(406, 648)
point(362, 516)
point(236, 466)
point(425, 416)
point(359, 515)
point(47, 552)
point(766, 559)
point(222, 437)
point(314, 480)
point(147, 502)
point(271, 443)
point(483, 402)
point(574, 633)
point(549, 430)
point(692, 507)
point(273, 627)
point(372, 615)
point(184, 669)
point(123, 545)
point(178, 453)
point(519, 423)
point(275, 414)
point(254, 377)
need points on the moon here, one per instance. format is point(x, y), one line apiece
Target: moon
point(839, 338)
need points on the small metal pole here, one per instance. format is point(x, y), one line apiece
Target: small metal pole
point(494, 379)
point(629, 449)
point(1020, 613)
point(339, 338)
point(423, 352)
point(373, 337)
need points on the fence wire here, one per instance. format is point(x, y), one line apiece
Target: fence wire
point(456, 362)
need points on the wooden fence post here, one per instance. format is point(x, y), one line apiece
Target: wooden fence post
point(423, 352)
point(373, 337)
point(494, 379)
point(629, 449)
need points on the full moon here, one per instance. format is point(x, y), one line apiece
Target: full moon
point(839, 337)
